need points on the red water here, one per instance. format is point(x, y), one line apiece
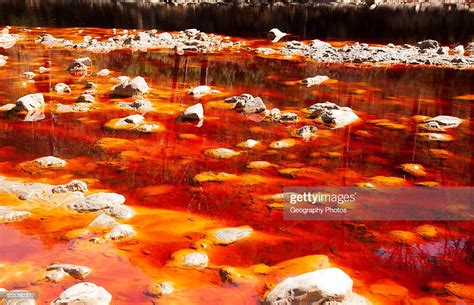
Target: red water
point(156, 174)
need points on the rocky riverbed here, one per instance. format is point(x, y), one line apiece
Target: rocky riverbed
point(144, 167)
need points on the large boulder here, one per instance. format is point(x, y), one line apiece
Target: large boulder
point(30, 102)
point(318, 287)
point(83, 294)
point(129, 88)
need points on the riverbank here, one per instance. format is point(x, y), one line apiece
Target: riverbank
point(383, 23)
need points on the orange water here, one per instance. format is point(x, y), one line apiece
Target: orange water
point(156, 174)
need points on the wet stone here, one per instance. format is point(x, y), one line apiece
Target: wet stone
point(228, 236)
point(97, 202)
point(195, 112)
point(30, 102)
point(122, 212)
point(120, 232)
point(250, 143)
point(129, 88)
point(85, 98)
point(281, 144)
point(415, 170)
point(325, 285)
point(221, 153)
point(62, 88)
point(159, 289)
point(76, 271)
point(446, 121)
point(214, 177)
point(313, 81)
point(8, 214)
point(73, 186)
point(103, 220)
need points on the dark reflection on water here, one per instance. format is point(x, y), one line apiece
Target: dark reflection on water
point(306, 22)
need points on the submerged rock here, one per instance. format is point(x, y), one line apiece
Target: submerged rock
point(84, 294)
point(129, 88)
point(221, 153)
point(228, 236)
point(134, 122)
point(250, 143)
point(315, 80)
point(159, 289)
point(214, 177)
point(120, 232)
point(76, 271)
point(201, 91)
point(141, 105)
point(284, 143)
point(415, 170)
point(30, 102)
point(321, 286)
point(260, 165)
point(190, 259)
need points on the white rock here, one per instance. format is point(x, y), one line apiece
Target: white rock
point(196, 259)
point(446, 121)
point(248, 144)
point(62, 88)
point(129, 88)
point(315, 80)
point(73, 186)
point(98, 202)
point(228, 236)
point(315, 287)
point(83, 294)
point(459, 50)
point(119, 232)
point(7, 40)
point(30, 102)
point(103, 220)
point(122, 212)
point(29, 75)
point(76, 271)
point(195, 112)
point(7, 214)
point(200, 91)
point(103, 72)
point(50, 162)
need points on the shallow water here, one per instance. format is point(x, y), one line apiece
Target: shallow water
point(155, 171)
